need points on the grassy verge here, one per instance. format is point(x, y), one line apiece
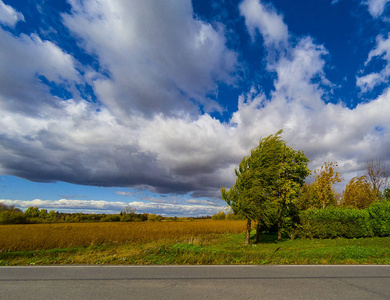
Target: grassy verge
point(213, 249)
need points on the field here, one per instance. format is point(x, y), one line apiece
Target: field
point(192, 242)
point(65, 235)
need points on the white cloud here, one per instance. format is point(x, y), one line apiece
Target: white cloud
point(203, 202)
point(160, 59)
point(376, 7)
point(327, 132)
point(23, 61)
point(99, 206)
point(68, 205)
point(8, 15)
point(176, 209)
point(381, 51)
point(265, 19)
point(192, 208)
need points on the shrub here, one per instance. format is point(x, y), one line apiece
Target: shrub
point(233, 216)
point(380, 218)
point(219, 216)
point(110, 218)
point(332, 222)
point(154, 218)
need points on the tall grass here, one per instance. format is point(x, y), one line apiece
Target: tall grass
point(50, 236)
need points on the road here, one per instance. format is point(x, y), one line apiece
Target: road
point(195, 282)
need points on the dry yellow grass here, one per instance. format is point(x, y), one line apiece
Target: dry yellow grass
point(65, 235)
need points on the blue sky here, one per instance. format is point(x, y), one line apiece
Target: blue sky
point(153, 103)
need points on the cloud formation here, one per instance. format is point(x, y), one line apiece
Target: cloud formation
point(9, 16)
point(380, 52)
point(153, 125)
point(194, 208)
point(158, 57)
point(266, 20)
point(376, 7)
point(65, 205)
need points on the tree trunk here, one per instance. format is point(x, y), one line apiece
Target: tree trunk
point(258, 232)
point(280, 226)
point(248, 231)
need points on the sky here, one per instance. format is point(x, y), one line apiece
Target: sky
point(153, 104)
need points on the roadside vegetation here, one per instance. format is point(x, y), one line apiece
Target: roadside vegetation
point(213, 249)
point(270, 190)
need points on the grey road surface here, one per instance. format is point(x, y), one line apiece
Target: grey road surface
point(195, 282)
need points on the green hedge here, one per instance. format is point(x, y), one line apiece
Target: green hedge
point(332, 222)
point(380, 218)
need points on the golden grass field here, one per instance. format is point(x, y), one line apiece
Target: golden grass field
point(65, 235)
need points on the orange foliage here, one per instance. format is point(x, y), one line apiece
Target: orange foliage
point(358, 193)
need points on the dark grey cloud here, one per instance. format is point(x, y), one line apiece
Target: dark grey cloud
point(148, 133)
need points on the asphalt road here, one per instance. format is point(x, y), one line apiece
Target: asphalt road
point(195, 282)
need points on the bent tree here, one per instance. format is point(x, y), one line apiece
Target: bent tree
point(267, 180)
point(292, 171)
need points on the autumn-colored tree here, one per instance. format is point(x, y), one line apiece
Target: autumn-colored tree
point(320, 193)
point(359, 193)
point(325, 178)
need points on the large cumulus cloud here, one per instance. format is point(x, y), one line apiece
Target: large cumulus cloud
point(156, 87)
point(158, 56)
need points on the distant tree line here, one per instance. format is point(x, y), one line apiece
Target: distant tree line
point(270, 190)
point(12, 215)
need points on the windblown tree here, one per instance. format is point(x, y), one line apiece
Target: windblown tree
point(267, 181)
point(292, 173)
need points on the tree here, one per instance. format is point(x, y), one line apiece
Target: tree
point(219, 216)
point(9, 214)
point(359, 193)
point(325, 178)
point(267, 181)
point(32, 212)
point(292, 173)
point(377, 174)
point(4, 207)
point(307, 198)
point(128, 210)
point(251, 195)
point(386, 194)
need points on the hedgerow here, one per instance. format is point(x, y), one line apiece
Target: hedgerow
point(332, 222)
point(380, 218)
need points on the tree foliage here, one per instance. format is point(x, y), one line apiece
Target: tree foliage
point(252, 196)
point(267, 182)
point(332, 222)
point(292, 173)
point(359, 193)
point(307, 198)
point(325, 178)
